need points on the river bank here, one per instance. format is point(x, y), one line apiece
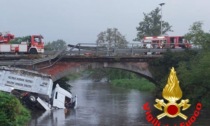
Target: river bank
point(138, 84)
point(12, 112)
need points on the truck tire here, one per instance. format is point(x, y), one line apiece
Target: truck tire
point(32, 98)
point(33, 51)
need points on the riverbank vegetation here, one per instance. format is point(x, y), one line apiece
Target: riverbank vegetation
point(139, 84)
point(122, 78)
point(12, 112)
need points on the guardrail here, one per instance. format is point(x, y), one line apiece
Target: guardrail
point(30, 62)
point(92, 49)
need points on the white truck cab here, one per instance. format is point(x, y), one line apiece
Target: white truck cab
point(62, 98)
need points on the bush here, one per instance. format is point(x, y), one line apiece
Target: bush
point(12, 112)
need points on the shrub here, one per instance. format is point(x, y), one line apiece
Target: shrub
point(12, 112)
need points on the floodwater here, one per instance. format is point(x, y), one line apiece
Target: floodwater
point(100, 104)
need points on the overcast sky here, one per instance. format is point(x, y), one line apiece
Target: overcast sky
point(80, 21)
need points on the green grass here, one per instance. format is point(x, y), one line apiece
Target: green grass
point(73, 76)
point(12, 112)
point(139, 84)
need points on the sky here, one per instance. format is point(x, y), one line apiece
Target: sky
point(80, 21)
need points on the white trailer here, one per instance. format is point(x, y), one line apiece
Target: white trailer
point(14, 48)
point(35, 87)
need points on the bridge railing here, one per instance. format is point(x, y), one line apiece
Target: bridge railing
point(29, 62)
point(92, 49)
point(131, 49)
point(95, 49)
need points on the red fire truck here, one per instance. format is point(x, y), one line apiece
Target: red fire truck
point(5, 38)
point(33, 45)
point(165, 42)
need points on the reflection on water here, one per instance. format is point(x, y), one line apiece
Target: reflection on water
point(99, 104)
point(50, 118)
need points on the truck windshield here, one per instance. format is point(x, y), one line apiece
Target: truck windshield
point(37, 39)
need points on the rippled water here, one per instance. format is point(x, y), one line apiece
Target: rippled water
point(99, 104)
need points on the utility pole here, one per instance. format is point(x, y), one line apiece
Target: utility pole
point(161, 30)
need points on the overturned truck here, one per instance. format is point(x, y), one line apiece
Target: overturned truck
point(34, 89)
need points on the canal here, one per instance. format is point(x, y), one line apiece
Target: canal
point(100, 104)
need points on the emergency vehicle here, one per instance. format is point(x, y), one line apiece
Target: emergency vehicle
point(33, 45)
point(165, 42)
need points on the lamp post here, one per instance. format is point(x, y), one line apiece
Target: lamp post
point(161, 31)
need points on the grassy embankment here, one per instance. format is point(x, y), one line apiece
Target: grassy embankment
point(73, 76)
point(12, 112)
point(139, 84)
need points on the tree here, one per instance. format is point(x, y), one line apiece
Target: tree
point(194, 78)
point(109, 38)
point(55, 45)
point(197, 36)
point(18, 40)
point(112, 37)
point(160, 68)
point(194, 75)
point(151, 25)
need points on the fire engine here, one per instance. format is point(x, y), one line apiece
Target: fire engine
point(34, 45)
point(6, 37)
point(165, 42)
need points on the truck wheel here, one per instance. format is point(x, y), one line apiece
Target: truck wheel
point(33, 51)
point(32, 98)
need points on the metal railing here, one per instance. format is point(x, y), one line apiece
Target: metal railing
point(92, 49)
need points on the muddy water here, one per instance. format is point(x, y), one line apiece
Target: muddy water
point(99, 104)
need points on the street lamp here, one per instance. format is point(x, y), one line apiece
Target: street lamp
point(161, 4)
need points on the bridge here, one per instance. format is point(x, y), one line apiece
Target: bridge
point(79, 57)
